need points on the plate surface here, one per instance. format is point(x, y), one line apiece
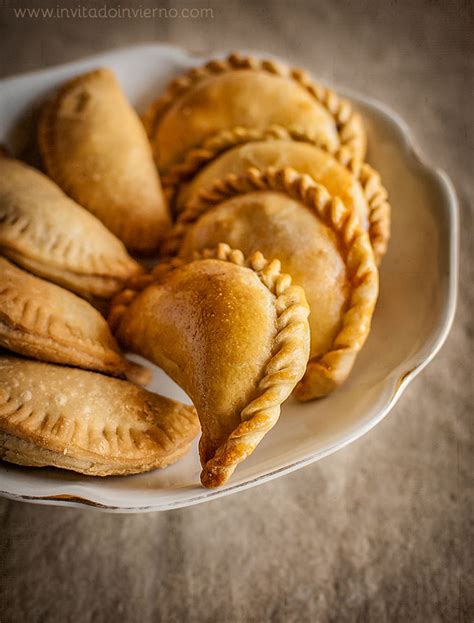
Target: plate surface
point(412, 319)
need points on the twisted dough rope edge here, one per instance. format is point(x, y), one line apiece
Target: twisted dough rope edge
point(370, 181)
point(332, 367)
point(198, 157)
point(46, 144)
point(348, 123)
point(280, 374)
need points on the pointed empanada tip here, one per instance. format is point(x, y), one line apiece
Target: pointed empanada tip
point(211, 479)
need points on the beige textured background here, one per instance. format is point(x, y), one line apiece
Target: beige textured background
point(378, 532)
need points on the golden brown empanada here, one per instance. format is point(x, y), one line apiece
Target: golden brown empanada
point(235, 151)
point(94, 146)
point(319, 242)
point(233, 333)
point(250, 92)
point(41, 320)
point(52, 236)
point(86, 422)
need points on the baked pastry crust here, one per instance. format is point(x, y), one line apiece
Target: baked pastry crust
point(239, 90)
point(232, 332)
point(318, 240)
point(41, 320)
point(52, 236)
point(86, 422)
point(234, 151)
point(94, 146)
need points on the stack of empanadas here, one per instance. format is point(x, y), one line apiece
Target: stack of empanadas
point(265, 283)
point(95, 147)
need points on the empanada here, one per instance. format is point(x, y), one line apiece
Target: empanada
point(94, 146)
point(52, 236)
point(319, 242)
point(42, 320)
point(86, 422)
point(233, 333)
point(249, 92)
point(234, 151)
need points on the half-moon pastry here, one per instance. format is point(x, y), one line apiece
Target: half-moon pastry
point(235, 151)
point(233, 333)
point(87, 422)
point(318, 240)
point(250, 92)
point(43, 321)
point(52, 236)
point(94, 146)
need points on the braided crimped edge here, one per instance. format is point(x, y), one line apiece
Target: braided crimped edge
point(326, 372)
point(198, 157)
point(374, 191)
point(379, 210)
point(282, 372)
point(349, 124)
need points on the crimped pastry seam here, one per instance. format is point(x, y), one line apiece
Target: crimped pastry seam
point(281, 372)
point(324, 373)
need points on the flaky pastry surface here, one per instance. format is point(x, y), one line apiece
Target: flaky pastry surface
point(41, 320)
point(52, 236)
point(83, 421)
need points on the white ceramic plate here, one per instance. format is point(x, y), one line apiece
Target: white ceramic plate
point(412, 319)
